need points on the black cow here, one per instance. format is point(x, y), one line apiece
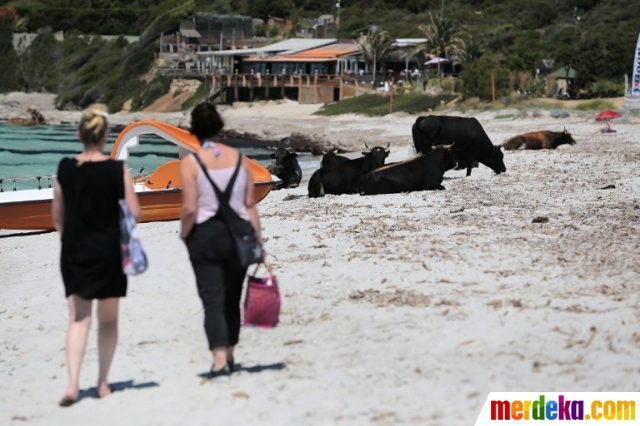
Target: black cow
point(471, 142)
point(332, 157)
point(423, 172)
point(344, 177)
point(543, 139)
point(286, 168)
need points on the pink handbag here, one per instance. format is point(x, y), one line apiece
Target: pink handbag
point(262, 302)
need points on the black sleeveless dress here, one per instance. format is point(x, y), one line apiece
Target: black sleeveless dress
point(90, 260)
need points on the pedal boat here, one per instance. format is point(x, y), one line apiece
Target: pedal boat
point(158, 193)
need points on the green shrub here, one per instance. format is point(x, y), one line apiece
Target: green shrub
point(157, 88)
point(448, 85)
point(9, 70)
point(260, 30)
point(273, 31)
point(604, 89)
point(477, 78)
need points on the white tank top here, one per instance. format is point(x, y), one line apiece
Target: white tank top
point(207, 200)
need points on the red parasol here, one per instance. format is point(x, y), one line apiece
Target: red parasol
point(607, 115)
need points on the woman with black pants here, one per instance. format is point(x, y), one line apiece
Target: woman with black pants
point(219, 275)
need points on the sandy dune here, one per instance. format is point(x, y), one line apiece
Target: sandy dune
point(400, 309)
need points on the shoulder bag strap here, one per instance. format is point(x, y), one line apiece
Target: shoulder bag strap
point(227, 212)
point(232, 181)
point(119, 166)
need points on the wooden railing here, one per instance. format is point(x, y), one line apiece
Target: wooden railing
point(274, 80)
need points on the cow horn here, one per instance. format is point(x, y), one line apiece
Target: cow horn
point(388, 145)
point(366, 146)
point(449, 146)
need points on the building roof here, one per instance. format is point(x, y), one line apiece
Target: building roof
point(406, 42)
point(190, 33)
point(331, 52)
point(285, 47)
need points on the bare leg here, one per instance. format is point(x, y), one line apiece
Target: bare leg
point(230, 359)
point(107, 340)
point(79, 325)
point(230, 352)
point(219, 357)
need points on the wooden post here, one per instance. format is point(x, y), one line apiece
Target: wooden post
point(391, 96)
point(235, 88)
point(493, 89)
point(315, 88)
point(282, 88)
point(206, 89)
point(340, 91)
point(251, 80)
point(266, 86)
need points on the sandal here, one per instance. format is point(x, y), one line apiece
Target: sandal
point(67, 401)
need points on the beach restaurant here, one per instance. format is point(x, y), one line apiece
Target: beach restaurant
point(235, 60)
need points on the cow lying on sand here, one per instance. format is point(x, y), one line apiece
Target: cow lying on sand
point(544, 139)
point(344, 177)
point(471, 142)
point(424, 172)
point(286, 168)
point(332, 157)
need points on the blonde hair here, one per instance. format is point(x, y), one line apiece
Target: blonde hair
point(93, 124)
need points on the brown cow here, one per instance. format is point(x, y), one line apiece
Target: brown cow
point(544, 139)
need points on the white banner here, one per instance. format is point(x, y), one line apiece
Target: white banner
point(518, 408)
point(635, 77)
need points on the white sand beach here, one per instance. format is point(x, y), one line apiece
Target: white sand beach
point(397, 309)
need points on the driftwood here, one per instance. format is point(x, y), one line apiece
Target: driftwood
point(36, 117)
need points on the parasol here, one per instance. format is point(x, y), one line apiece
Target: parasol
point(607, 115)
point(438, 61)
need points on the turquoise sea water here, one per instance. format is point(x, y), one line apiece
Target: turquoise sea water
point(29, 151)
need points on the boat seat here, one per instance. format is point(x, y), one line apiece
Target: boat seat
point(167, 176)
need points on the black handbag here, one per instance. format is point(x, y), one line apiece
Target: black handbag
point(246, 241)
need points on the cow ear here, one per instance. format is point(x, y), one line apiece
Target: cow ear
point(273, 156)
point(386, 153)
point(293, 154)
point(364, 152)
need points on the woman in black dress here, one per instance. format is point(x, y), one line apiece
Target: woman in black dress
point(86, 214)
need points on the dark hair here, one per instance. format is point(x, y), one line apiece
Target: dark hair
point(205, 121)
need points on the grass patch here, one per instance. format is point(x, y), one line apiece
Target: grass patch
point(525, 104)
point(503, 116)
point(194, 100)
point(378, 105)
point(595, 105)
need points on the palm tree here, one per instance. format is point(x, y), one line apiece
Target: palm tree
point(468, 52)
point(443, 38)
point(375, 44)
